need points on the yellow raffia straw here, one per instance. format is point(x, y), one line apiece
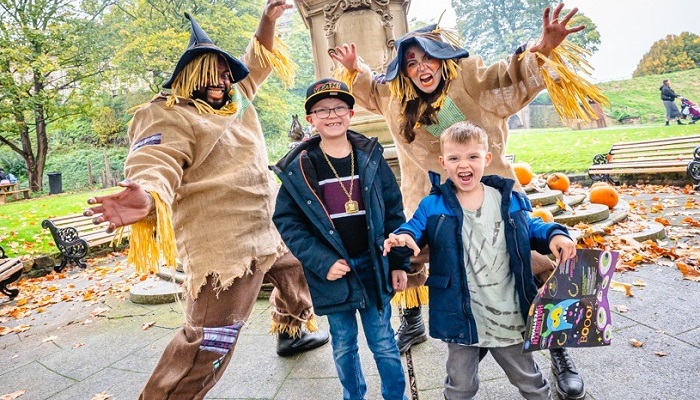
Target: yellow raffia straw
point(278, 58)
point(570, 93)
point(411, 297)
point(153, 238)
point(345, 75)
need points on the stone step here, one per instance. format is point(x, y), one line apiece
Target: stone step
point(651, 230)
point(541, 199)
point(571, 200)
point(586, 213)
point(155, 290)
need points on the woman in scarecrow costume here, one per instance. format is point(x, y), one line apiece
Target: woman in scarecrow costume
point(199, 188)
point(432, 83)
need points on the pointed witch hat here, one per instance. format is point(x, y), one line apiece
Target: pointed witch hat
point(199, 44)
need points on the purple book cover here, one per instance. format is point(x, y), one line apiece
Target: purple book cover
point(571, 309)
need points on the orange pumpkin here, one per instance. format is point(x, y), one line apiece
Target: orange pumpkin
point(558, 181)
point(604, 194)
point(599, 184)
point(543, 213)
point(523, 172)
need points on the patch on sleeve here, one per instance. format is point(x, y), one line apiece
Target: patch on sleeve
point(156, 138)
point(220, 339)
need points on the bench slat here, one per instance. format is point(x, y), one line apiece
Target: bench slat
point(9, 266)
point(631, 170)
point(632, 158)
point(647, 143)
point(641, 164)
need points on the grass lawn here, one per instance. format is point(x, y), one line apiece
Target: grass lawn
point(547, 150)
point(570, 151)
point(20, 221)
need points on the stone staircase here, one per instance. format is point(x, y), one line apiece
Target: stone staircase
point(584, 218)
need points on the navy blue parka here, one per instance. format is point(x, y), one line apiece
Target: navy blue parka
point(308, 231)
point(438, 223)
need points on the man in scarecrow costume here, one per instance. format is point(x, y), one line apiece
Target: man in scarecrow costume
point(432, 83)
point(199, 185)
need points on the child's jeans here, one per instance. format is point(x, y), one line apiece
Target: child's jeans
point(380, 339)
point(462, 380)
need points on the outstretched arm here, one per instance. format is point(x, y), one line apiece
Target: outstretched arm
point(120, 209)
point(266, 28)
point(554, 31)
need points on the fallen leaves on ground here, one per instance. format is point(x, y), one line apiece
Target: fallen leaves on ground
point(621, 308)
point(680, 215)
point(12, 395)
point(101, 396)
point(636, 343)
point(37, 295)
point(622, 287)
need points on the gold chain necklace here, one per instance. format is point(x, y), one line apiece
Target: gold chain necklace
point(351, 205)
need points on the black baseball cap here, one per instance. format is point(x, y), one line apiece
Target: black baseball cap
point(326, 88)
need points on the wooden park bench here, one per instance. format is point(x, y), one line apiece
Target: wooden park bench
point(13, 191)
point(680, 154)
point(10, 271)
point(75, 234)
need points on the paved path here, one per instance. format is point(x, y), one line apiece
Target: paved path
point(68, 354)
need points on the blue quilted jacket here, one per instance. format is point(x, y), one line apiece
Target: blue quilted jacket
point(438, 223)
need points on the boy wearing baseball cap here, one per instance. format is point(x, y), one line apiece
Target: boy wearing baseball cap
point(337, 203)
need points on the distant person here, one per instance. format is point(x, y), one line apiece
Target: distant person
point(338, 201)
point(668, 96)
point(3, 177)
point(480, 233)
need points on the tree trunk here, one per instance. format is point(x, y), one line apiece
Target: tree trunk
point(42, 142)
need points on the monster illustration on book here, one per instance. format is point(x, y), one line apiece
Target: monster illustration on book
point(571, 309)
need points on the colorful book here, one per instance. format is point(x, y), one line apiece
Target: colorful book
point(571, 309)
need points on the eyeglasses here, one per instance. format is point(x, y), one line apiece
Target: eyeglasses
point(325, 113)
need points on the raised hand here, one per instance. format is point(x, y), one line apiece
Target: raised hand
point(275, 8)
point(120, 209)
point(347, 56)
point(554, 31)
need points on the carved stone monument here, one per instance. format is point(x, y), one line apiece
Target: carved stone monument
point(372, 25)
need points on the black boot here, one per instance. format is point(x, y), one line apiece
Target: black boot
point(569, 383)
point(667, 123)
point(412, 329)
point(289, 346)
point(680, 122)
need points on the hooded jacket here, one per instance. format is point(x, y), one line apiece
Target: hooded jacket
point(438, 223)
point(308, 231)
point(667, 94)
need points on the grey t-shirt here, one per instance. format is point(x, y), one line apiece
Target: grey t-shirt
point(494, 301)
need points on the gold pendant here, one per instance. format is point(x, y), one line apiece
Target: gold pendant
point(351, 207)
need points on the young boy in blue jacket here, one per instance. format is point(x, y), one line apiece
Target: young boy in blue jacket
point(481, 285)
point(338, 202)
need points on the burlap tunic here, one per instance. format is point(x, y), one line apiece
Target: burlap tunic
point(485, 95)
point(213, 171)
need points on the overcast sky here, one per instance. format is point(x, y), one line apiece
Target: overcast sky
point(627, 28)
